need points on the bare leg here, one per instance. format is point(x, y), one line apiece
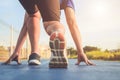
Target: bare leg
point(33, 27)
point(57, 45)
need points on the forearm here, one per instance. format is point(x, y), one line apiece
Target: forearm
point(21, 39)
point(23, 35)
point(73, 27)
point(76, 37)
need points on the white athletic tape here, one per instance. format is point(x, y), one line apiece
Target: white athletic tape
point(34, 61)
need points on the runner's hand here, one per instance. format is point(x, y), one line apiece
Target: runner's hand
point(83, 58)
point(13, 57)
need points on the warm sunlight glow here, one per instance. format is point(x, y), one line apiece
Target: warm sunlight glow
point(99, 9)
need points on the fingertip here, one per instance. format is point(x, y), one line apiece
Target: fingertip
point(19, 63)
point(94, 64)
point(76, 64)
point(87, 64)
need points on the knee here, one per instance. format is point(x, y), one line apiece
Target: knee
point(55, 28)
point(36, 15)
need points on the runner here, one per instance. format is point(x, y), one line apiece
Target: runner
point(68, 7)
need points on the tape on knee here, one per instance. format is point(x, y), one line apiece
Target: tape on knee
point(50, 31)
point(57, 32)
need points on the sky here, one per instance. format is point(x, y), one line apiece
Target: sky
point(98, 21)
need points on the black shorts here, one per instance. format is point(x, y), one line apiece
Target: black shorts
point(49, 9)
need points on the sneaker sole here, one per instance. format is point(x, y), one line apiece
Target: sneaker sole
point(57, 45)
point(34, 62)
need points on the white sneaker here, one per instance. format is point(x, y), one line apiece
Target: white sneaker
point(57, 45)
point(34, 59)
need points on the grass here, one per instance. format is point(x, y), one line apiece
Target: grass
point(99, 55)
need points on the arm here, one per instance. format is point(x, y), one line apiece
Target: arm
point(73, 27)
point(21, 39)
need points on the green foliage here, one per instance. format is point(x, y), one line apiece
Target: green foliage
point(117, 56)
point(96, 53)
point(103, 55)
point(90, 48)
point(71, 52)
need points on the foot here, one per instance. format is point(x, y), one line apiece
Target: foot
point(57, 45)
point(34, 59)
